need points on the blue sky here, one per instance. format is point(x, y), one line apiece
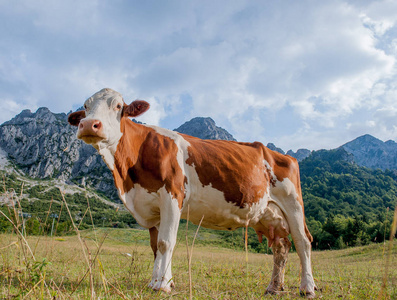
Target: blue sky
point(299, 74)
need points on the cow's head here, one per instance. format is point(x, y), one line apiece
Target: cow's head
point(99, 123)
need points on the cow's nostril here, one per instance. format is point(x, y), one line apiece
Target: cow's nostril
point(96, 125)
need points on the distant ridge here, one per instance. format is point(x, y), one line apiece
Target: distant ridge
point(300, 154)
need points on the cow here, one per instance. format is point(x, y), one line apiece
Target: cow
point(163, 176)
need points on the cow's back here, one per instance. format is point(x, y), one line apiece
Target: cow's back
point(234, 168)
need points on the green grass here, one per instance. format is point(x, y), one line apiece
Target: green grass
point(123, 268)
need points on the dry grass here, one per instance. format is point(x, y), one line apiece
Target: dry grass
point(117, 264)
point(123, 267)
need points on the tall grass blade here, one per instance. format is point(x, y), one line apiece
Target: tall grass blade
point(383, 291)
point(87, 257)
point(19, 234)
point(190, 253)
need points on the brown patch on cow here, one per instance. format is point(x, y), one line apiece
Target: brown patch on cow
point(149, 159)
point(236, 169)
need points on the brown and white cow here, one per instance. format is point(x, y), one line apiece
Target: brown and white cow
point(160, 174)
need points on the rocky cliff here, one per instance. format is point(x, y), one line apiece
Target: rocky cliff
point(44, 145)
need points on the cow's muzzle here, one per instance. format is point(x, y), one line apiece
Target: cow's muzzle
point(90, 131)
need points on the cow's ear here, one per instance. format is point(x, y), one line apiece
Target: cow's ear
point(74, 118)
point(135, 109)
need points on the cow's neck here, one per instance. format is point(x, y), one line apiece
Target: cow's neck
point(126, 153)
point(107, 150)
point(130, 134)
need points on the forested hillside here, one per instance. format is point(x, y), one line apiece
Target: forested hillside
point(345, 204)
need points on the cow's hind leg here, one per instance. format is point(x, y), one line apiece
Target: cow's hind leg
point(153, 240)
point(280, 254)
point(153, 244)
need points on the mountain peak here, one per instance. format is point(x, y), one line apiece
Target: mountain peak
point(26, 116)
point(43, 111)
point(204, 128)
point(364, 139)
point(373, 153)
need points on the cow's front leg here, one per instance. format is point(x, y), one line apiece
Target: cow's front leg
point(169, 222)
point(296, 221)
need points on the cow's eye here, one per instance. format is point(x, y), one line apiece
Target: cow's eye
point(85, 106)
point(118, 106)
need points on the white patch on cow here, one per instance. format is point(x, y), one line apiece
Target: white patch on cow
point(283, 189)
point(107, 154)
point(270, 170)
point(143, 205)
point(218, 213)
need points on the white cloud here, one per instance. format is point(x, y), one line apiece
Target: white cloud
point(238, 62)
point(12, 108)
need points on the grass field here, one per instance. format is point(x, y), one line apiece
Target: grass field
point(121, 265)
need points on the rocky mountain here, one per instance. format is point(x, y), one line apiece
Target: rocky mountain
point(373, 153)
point(44, 145)
point(204, 128)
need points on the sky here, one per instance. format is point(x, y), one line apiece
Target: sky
point(299, 74)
